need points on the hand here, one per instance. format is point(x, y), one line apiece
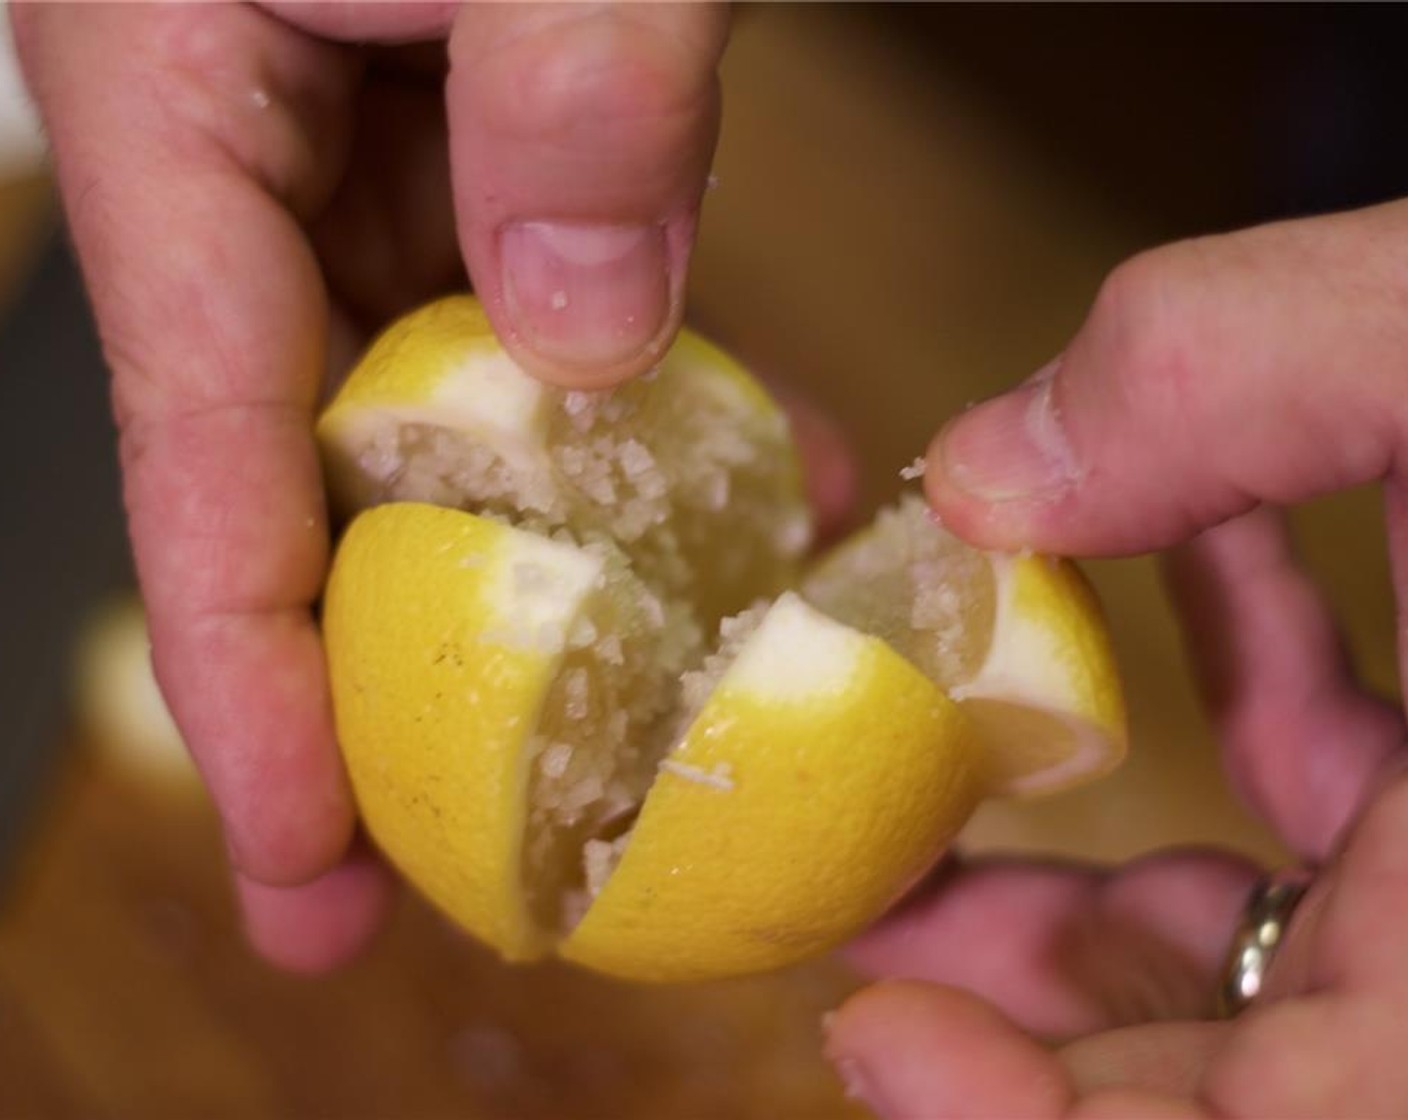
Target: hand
point(249, 196)
point(1211, 377)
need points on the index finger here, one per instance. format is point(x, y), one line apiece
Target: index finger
point(184, 139)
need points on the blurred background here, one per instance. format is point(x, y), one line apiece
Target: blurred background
point(915, 205)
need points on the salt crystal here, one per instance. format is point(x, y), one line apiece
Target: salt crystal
point(914, 470)
point(583, 634)
point(596, 484)
point(794, 534)
point(653, 608)
point(589, 789)
point(575, 402)
point(599, 860)
point(576, 687)
point(610, 650)
point(572, 460)
point(553, 761)
point(652, 487)
point(718, 778)
point(558, 300)
point(636, 459)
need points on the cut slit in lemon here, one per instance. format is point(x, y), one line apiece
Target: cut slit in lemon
point(568, 754)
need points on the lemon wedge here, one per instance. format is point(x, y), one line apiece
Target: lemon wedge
point(1019, 641)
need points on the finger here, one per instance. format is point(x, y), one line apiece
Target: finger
point(387, 238)
point(911, 1050)
point(323, 924)
point(1209, 376)
point(388, 21)
point(916, 1051)
point(1066, 949)
point(1166, 1058)
point(1360, 923)
point(1302, 741)
point(1326, 1036)
point(581, 136)
point(185, 138)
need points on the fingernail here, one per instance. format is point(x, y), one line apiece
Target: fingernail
point(586, 294)
point(1012, 447)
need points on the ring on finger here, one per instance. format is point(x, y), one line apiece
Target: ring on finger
point(1265, 919)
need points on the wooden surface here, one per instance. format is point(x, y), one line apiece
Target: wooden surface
point(125, 991)
point(878, 235)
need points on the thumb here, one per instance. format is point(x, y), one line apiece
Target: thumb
point(580, 139)
point(1211, 375)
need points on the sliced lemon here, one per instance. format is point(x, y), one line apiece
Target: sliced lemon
point(505, 702)
point(494, 690)
point(551, 737)
point(691, 470)
point(1018, 641)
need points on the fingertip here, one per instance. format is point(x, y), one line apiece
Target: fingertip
point(858, 1039)
point(581, 139)
point(320, 925)
point(908, 1049)
point(970, 518)
point(997, 473)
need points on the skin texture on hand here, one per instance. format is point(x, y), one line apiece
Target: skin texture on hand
point(1213, 381)
point(250, 191)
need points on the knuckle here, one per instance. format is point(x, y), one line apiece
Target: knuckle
point(1150, 326)
point(587, 75)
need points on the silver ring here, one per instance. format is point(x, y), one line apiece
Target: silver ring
point(1265, 920)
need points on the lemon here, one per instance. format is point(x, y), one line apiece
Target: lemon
point(119, 707)
point(620, 747)
point(450, 638)
point(691, 469)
